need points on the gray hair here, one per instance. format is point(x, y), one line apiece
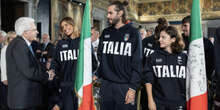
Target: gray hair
point(23, 24)
point(48, 36)
point(145, 32)
point(3, 33)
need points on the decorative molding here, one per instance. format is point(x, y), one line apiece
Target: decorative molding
point(175, 10)
point(102, 4)
point(173, 17)
point(179, 17)
point(150, 1)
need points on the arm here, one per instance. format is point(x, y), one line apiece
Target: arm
point(148, 77)
point(55, 67)
point(99, 55)
point(136, 63)
point(151, 103)
point(136, 66)
point(26, 65)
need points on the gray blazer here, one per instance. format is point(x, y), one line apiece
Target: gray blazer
point(25, 76)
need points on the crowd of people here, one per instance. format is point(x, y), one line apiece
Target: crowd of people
point(41, 75)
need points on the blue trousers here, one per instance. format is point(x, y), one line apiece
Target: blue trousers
point(113, 96)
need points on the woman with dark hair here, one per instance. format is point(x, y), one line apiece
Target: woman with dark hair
point(150, 44)
point(64, 63)
point(165, 72)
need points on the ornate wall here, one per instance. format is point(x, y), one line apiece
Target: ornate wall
point(175, 10)
point(61, 9)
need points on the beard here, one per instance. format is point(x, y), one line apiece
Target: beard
point(114, 21)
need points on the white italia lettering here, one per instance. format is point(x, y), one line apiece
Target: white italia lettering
point(159, 71)
point(117, 48)
point(110, 47)
point(145, 49)
point(170, 71)
point(61, 56)
point(105, 46)
point(127, 51)
point(177, 70)
point(182, 73)
point(165, 71)
point(70, 55)
point(67, 55)
point(75, 54)
point(148, 51)
point(121, 48)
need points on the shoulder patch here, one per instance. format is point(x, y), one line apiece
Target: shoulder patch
point(126, 37)
point(159, 60)
point(150, 44)
point(64, 46)
point(179, 60)
point(107, 36)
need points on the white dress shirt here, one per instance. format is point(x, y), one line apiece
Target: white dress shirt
point(3, 64)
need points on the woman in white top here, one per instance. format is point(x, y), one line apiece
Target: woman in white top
point(9, 37)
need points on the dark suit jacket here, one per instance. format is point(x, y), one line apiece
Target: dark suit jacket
point(25, 76)
point(49, 48)
point(217, 62)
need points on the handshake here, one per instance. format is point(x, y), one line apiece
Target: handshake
point(51, 75)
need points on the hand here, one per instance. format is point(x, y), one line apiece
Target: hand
point(5, 82)
point(152, 105)
point(56, 107)
point(94, 78)
point(51, 74)
point(44, 52)
point(130, 96)
point(38, 51)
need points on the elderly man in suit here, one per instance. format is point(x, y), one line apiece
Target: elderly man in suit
point(25, 76)
point(45, 50)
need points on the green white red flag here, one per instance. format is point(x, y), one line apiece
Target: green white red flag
point(196, 82)
point(83, 81)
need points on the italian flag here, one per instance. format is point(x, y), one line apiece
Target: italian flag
point(196, 83)
point(83, 81)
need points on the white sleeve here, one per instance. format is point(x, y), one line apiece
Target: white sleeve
point(3, 64)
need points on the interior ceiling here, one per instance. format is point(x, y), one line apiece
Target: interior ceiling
point(151, 10)
point(173, 10)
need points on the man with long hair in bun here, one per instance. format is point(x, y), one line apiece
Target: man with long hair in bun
point(119, 53)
